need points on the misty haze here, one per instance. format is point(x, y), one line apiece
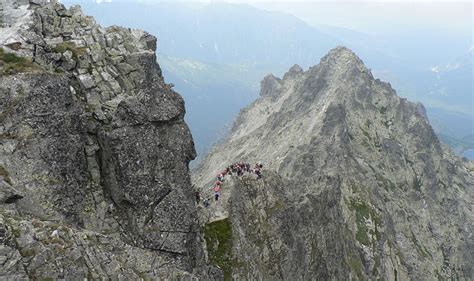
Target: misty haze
point(236, 140)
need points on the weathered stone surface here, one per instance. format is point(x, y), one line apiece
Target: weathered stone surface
point(270, 85)
point(87, 81)
point(94, 177)
point(358, 185)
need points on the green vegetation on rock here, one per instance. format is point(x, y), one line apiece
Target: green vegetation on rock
point(218, 236)
point(28, 252)
point(356, 266)
point(12, 64)
point(70, 46)
point(364, 212)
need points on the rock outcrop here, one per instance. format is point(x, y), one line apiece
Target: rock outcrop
point(357, 185)
point(94, 153)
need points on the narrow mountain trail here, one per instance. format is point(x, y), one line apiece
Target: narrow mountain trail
point(218, 209)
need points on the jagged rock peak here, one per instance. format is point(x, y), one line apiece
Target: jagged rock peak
point(356, 183)
point(341, 53)
point(270, 85)
point(342, 59)
point(295, 70)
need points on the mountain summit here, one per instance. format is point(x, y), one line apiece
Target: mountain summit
point(342, 57)
point(356, 183)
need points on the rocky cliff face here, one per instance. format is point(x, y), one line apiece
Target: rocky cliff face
point(94, 153)
point(357, 185)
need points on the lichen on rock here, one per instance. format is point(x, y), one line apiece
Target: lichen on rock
point(94, 152)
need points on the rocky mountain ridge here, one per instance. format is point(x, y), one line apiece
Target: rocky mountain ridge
point(357, 185)
point(94, 153)
point(94, 178)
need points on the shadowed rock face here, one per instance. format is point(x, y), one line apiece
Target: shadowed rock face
point(94, 154)
point(357, 183)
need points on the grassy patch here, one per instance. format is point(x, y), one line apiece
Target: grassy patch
point(362, 235)
point(218, 236)
point(363, 212)
point(28, 252)
point(12, 64)
point(6, 176)
point(356, 266)
point(70, 46)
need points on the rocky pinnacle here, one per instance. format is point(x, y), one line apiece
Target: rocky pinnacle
point(356, 183)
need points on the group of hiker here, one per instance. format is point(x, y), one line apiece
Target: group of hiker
point(239, 169)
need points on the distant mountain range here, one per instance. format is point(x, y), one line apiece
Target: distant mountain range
point(216, 54)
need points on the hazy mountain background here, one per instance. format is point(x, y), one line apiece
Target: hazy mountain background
point(216, 54)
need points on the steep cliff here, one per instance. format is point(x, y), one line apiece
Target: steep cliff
point(357, 185)
point(94, 153)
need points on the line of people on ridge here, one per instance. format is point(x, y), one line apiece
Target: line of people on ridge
point(238, 169)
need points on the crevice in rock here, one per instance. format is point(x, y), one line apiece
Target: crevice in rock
point(167, 251)
point(34, 53)
point(171, 252)
point(177, 231)
point(172, 121)
point(13, 199)
point(152, 208)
